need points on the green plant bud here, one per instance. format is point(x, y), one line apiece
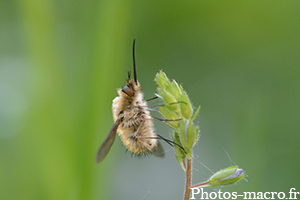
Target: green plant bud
point(191, 134)
point(167, 85)
point(178, 150)
point(188, 135)
point(170, 89)
point(169, 100)
point(175, 90)
point(159, 82)
point(161, 79)
point(168, 114)
point(186, 108)
point(182, 134)
point(227, 176)
point(223, 177)
point(164, 76)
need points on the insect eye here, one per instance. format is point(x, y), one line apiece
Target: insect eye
point(128, 91)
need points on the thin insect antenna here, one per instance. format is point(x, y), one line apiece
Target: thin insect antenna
point(134, 68)
point(170, 141)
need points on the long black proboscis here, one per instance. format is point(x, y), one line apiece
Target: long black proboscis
point(134, 68)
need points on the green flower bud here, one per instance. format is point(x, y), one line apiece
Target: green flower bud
point(174, 89)
point(164, 76)
point(182, 134)
point(169, 100)
point(227, 176)
point(170, 89)
point(161, 79)
point(223, 177)
point(186, 108)
point(188, 135)
point(168, 114)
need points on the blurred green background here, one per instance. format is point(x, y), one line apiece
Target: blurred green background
point(62, 61)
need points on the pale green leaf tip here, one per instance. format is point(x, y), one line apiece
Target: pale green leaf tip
point(180, 161)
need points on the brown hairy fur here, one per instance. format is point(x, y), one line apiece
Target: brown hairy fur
point(134, 119)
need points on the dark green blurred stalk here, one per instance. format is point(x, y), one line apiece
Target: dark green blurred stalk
point(72, 48)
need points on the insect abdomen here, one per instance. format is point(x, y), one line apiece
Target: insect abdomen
point(136, 131)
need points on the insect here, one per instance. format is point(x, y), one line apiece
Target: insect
point(133, 122)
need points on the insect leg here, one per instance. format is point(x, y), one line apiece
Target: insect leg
point(164, 120)
point(170, 142)
point(151, 99)
point(135, 134)
point(167, 140)
point(159, 105)
point(153, 118)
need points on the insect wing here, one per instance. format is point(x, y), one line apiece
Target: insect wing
point(108, 142)
point(158, 150)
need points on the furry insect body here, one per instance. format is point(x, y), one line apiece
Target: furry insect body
point(135, 128)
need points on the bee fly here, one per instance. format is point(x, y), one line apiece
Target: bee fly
point(133, 122)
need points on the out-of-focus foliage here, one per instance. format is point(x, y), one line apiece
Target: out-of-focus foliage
point(60, 65)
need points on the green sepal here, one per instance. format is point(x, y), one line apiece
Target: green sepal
point(176, 90)
point(161, 79)
point(168, 114)
point(197, 133)
point(191, 134)
point(196, 113)
point(186, 108)
point(187, 134)
point(169, 99)
point(180, 161)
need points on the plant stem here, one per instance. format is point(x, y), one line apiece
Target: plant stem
point(200, 184)
point(188, 175)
